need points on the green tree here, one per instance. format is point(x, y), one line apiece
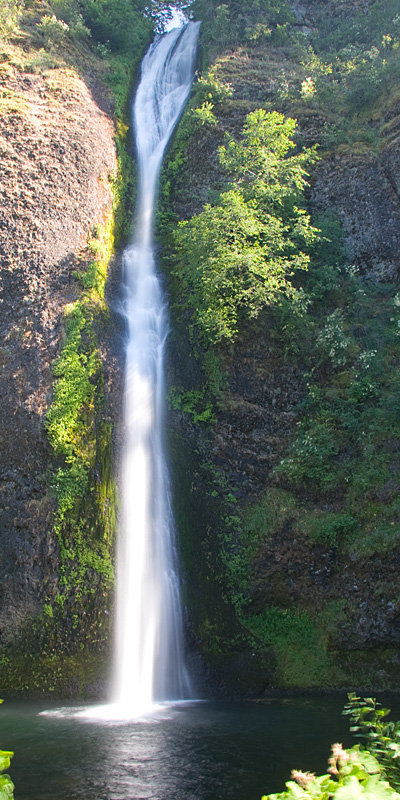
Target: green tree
point(120, 24)
point(238, 255)
point(231, 21)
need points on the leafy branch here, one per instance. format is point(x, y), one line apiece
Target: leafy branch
point(381, 736)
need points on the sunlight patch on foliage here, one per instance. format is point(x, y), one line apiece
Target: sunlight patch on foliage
point(238, 255)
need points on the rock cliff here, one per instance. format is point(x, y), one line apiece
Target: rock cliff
point(307, 561)
point(58, 157)
point(284, 450)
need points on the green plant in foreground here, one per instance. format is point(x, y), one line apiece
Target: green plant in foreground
point(381, 736)
point(372, 773)
point(352, 775)
point(6, 784)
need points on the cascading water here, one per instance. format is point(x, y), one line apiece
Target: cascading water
point(149, 652)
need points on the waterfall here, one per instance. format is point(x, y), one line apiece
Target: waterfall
point(149, 644)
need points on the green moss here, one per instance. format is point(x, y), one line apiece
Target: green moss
point(302, 659)
point(53, 674)
point(192, 402)
point(205, 536)
point(79, 438)
point(265, 518)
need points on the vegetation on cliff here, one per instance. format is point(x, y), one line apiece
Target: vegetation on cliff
point(79, 437)
point(237, 255)
point(52, 47)
point(300, 471)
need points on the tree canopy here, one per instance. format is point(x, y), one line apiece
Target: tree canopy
point(238, 255)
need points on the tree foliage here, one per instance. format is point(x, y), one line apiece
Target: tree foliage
point(120, 24)
point(232, 21)
point(238, 255)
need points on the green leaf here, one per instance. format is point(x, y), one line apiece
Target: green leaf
point(5, 759)
point(6, 787)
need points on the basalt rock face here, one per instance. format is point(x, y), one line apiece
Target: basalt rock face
point(260, 406)
point(57, 153)
point(363, 191)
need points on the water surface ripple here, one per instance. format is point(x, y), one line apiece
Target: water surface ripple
point(187, 751)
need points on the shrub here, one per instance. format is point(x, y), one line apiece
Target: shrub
point(372, 773)
point(311, 455)
point(382, 737)
point(9, 13)
point(334, 528)
point(53, 29)
point(352, 775)
point(69, 12)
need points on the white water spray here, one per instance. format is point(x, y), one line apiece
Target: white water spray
point(149, 652)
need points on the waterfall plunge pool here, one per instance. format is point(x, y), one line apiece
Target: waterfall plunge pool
point(184, 751)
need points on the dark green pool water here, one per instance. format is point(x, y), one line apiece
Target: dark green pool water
point(199, 751)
